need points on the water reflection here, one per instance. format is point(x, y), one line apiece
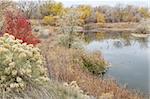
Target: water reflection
point(118, 44)
point(128, 56)
point(118, 40)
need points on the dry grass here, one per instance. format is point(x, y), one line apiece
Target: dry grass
point(51, 90)
point(61, 66)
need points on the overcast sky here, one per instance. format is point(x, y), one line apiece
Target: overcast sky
point(106, 2)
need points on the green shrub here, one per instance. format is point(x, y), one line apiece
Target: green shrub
point(93, 62)
point(20, 64)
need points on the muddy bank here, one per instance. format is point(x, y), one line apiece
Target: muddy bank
point(109, 30)
point(109, 27)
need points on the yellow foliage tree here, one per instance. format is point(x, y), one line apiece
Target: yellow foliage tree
point(100, 17)
point(49, 20)
point(57, 9)
point(85, 11)
point(144, 12)
point(51, 8)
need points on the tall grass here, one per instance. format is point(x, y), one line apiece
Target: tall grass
point(52, 90)
point(63, 68)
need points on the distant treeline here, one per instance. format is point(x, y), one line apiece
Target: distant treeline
point(50, 11)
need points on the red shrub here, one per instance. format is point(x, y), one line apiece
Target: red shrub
point(18, 26)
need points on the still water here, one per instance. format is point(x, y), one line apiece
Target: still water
point(129, 58)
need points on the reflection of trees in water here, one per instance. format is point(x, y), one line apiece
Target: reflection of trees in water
point(127, 42)
point(143, 42)
point(124, 39)
point(117, 44)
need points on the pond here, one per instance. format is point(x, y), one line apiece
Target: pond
point(128, 56)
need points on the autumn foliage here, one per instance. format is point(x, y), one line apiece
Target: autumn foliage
point(18, 26)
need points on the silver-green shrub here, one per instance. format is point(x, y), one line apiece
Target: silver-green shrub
point(68, 27)
point(19, 64)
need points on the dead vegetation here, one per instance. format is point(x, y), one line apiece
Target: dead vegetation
point(64, 65)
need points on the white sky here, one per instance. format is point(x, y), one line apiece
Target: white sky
point(106, 2)
point(145, 3)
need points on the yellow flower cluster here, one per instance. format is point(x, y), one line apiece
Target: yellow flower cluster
point(19, 64)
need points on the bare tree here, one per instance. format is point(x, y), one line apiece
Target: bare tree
point(45, 7)
point(4, 4)
point(30, 8)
